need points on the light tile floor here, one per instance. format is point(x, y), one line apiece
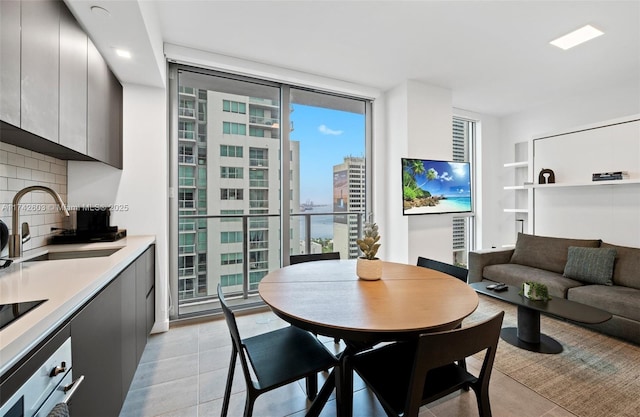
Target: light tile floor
point(183, 372)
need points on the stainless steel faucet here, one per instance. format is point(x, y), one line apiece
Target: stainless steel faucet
point(15, 240)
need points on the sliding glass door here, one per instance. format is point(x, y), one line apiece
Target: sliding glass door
point(329, 174)
point(247, 151)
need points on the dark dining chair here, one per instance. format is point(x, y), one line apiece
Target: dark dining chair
point(406, 375)
point(453, 270)
point(310, 257)
point(276, 358)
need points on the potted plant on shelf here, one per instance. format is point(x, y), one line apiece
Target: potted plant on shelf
point(368, 266)
point(535, 291)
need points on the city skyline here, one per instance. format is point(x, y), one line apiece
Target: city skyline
point(326, 137)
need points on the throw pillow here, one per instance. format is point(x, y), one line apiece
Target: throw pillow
point(590, 265)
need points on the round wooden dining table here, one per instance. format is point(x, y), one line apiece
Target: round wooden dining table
point(327, 298)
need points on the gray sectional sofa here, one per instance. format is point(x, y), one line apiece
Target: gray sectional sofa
point(591, 272)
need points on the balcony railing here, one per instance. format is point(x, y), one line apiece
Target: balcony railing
point(186, 112)
point(258, 162)
point(186, 135)
point(264, 101)
point(188, 91)
point(191, 305)
point(186, 159)
point(265, 121)
point(259, 183)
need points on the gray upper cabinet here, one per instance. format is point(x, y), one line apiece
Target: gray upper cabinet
point(73, 83)
point(57, 94)
point(104, 141)
point(40, 65)
point(10, 62)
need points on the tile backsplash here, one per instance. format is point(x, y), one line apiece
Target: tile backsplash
point(20, 168)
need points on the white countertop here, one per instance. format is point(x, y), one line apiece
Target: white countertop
point(66, 284)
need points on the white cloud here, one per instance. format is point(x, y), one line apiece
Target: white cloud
point(326, 131)
point(446, 177)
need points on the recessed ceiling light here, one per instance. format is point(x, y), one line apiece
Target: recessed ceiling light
point(122, 53)
point(585, 33)
point(100, 11)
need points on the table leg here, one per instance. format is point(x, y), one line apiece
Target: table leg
point(527, 335)
point(344, 388)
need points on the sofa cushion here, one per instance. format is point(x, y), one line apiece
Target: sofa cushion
point(618, 300)
point(626, 270)
point(544, 252)
point(516, 275)
point(590, 265)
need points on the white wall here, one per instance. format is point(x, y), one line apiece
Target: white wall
point(593, 106)
point(418, 125)
point(139, 191)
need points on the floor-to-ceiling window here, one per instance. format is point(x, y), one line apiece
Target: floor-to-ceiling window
point(463, 227)
point(329, 175)
point(245, 152)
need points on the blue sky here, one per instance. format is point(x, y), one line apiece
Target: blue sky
point(326, 136)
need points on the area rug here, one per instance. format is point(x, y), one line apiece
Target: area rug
point(594, 376)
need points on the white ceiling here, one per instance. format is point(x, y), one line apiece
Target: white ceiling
point(494, 56)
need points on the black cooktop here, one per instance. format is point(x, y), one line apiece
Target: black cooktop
point(11, 312)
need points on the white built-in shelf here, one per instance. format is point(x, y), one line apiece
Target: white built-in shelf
point(514, 187)
point(515, 210)
point(585, 183)
point(509, 246)
point(516, 164)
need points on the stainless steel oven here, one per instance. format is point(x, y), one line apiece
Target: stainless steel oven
point(51, 383)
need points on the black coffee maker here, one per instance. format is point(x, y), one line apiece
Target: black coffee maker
point(94, 221)
point(89, 224)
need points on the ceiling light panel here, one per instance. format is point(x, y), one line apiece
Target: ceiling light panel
point(585, 33)
point(123, 53)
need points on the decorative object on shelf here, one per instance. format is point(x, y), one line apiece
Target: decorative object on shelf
point(369, 267)
point(608, 176)
point(546, 176)
point(535, 291)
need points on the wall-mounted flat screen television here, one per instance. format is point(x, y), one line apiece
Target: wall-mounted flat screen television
point(435, 187)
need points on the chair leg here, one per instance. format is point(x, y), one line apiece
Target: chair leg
point(482, 396)
point(312, 387)
point(227, 390)
point(248, 403)
point(463, 364)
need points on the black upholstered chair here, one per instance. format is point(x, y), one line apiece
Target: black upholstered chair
point(407, 375)
point(453, 270)
point(276, 358)
point(309, 257)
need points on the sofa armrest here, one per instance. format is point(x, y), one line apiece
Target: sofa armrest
point(479, 259)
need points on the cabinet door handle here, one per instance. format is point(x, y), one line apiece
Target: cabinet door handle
point(71, 388)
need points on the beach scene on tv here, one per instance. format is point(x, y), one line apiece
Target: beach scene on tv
point(430, 186)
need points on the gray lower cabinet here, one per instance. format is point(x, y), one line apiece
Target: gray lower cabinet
point(10, 62)
point(145, 302)
point(40, 68)
point(108, 337)
point(96, 353)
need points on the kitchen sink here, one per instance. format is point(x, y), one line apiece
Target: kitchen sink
point(94, 253)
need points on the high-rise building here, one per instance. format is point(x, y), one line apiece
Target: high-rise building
point(348, 196)
point(229, 150)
